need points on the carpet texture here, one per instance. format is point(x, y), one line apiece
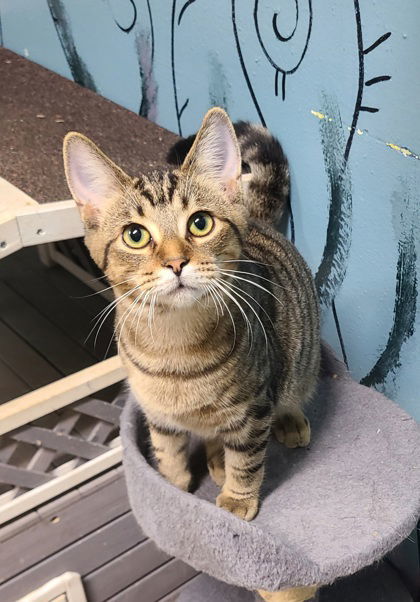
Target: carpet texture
point(326, 512)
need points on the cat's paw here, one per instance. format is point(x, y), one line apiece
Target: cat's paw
point(242, 508)
point(217, 472)
point(293, 429)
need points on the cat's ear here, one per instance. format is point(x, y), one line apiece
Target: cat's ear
point(92, 177)
point(215, 153)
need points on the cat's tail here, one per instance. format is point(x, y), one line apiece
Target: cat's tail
point(265, 172)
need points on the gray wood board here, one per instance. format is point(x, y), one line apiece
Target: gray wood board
point(32, 286)
point(62, 522)
point(157, 584)
point(11, 385)
point(66, 355)
point(82, 556)
point(16, 352)
point(123, 571)
point(84, 303)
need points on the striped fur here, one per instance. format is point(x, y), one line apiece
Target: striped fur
point(233, 358)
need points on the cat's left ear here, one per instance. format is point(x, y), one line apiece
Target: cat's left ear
point(92, 177)
point(215, 153)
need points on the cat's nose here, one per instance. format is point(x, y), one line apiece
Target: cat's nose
point(176, 264)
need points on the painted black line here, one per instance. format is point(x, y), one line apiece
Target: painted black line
point(244, 71)
point(276, 83)
point(376, 80)
point(183, 9)
point(133, 22)
point(358, 103)
point(276, 29)
point(384, 37)
point(77, 66)
point(340, 336)
point(184, 106)
point(173, 67)
point(283, 86)
point(152, 29)
point(369, 109)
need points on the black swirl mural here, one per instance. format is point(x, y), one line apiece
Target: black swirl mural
point(277, 46)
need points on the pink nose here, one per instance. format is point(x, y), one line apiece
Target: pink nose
point(176, 264)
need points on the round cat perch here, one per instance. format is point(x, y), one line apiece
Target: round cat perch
point(326, 511)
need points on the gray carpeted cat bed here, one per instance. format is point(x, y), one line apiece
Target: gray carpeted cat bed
point(326, 512)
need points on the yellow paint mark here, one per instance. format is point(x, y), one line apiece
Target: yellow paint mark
point(401, 149)
point(318, 114)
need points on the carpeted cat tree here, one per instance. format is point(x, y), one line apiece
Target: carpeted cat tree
point(327, 511)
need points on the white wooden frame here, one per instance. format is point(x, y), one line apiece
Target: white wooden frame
point(67, 587)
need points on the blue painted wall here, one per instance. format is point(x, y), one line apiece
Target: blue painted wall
point(337, 82)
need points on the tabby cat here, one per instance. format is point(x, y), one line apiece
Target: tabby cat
point(217, 316)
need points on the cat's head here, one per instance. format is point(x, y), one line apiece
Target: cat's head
point(168, 233)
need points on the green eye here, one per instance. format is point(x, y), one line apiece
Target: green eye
point(136, 237)
point(200, 224)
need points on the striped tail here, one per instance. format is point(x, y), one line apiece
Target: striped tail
point(265, 172)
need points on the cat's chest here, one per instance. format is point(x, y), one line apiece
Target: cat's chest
point(198, 404)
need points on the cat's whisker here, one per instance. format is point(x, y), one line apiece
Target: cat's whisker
point(112, 306)
point(220, 297)
point(234, 286)
point(105, 289)
point(256, 315)
point(140, 311)
point(243, 261)
point(211, 296)
point(104, 313)
point(256, 276)
point(130, 309)
point(235, 277)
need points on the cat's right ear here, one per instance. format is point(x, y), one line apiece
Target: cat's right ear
point(92, 177)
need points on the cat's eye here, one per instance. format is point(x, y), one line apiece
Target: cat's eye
point(136, 236)
point(200, 223)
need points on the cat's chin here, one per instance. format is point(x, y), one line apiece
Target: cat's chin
point(183, 296)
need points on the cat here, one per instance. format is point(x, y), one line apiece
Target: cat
point(217, 316)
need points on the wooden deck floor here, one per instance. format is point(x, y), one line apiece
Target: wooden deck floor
point(45, 316)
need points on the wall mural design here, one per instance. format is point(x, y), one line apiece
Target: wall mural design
point(329, 82)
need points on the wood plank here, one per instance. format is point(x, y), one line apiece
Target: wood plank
point(100, 409)
point(10, 384)
point(66, 355)
point(15, 352)
point(27, 408)
point(83, 556)
point(21, 477)
point(157, 584)
point(62, 280)
point(55, 306)
point(174, 596)
point(120, 573)
point(58, 485)
point(61, 442)
point(63, 522)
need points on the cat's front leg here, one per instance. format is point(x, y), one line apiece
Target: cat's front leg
point(170, 449)
point(244, 466)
